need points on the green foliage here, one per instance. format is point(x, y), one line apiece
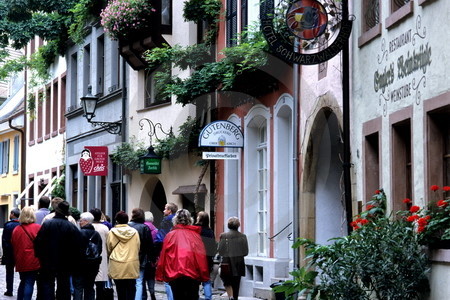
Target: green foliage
point(201, 10)
point(127, 155)
point(171, 147)
point(240, 64)
point(432, 222)
point(380, 259)
point(59, 188)
point(83, 12)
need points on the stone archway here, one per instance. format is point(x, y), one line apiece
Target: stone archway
point(153, 198)
point(321, 203)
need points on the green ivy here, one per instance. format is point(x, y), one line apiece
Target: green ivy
point(127, 155)
point(173, 146)
point(240, 64)
point(59, 188)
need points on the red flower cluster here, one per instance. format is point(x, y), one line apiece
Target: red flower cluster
point(442, 203)
point(414, 209)
point(434, 187)
point(358, 223)
point(407, 200)
point(369, 206)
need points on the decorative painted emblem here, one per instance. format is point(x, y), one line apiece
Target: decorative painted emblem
point(307, 19)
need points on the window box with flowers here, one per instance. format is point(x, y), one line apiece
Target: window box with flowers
point(433, 221)
point(126, 19)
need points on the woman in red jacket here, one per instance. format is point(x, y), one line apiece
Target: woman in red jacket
point(182, 262)
point(26, 262)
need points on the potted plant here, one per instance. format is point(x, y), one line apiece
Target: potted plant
point(432, 222)
point(124, 19)
point(380, 259)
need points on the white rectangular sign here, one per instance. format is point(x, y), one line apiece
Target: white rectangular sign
point(220, 155)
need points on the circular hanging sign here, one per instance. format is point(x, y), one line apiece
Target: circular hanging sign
point(307, 19)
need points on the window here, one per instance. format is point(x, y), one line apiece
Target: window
point(100, 64)
point(4, 156)
point(16, 153)
point(438, 147)
point(401, 163)
point(396, 4)
point(370, 21)
point(55, 108)
point(400, 9)
point(40, 116)
point(74, 172)
point(371, 14)
point(73, 80)
point(48, 115)
point(86, 69)
point(372, 164)
point(166, 16)
point(152, 95)
point(62, 106)
point(261, 154)
point(231, 23)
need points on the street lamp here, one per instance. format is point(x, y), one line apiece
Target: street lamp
point(89, 104)
point(150, 163)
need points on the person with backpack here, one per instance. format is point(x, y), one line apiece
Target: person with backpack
point(90, 259)
point(145, 249)
point(8, 254)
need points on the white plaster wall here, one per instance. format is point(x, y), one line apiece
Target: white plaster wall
point(175, 172)
point(367, 104)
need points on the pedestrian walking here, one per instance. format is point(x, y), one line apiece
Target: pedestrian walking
point(55, 202)
point(150, 267)
point(182, 262)
point(8, 253)
point(58, 247)
point(145, 248)
point(43, 205)
point(166, 225)
point(233, 247)
point(27, 264)
point(103, 291)
point(209, 241)
point(87, 269)
point(123, 248)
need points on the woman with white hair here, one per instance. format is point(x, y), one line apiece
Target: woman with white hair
point(182, 262)
point(84, 276)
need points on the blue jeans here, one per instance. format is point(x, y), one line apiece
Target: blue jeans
point(207, 290)
point(140, 285)
point(168, 291)
point(26, 285)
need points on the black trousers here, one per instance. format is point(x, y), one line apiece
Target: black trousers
point(185, 288)
point(235, 284)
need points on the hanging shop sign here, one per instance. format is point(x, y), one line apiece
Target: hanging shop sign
point(94, 161)
point(150, 163)
point(220, 155)
point(221, 134)
point(319, 25)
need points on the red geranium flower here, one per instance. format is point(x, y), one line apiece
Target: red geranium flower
point(377, 191)
point(420, 229)
point(369, 206)
point(363, 221)
point(407, 200)
point(414, 209)
point(446, 188)
point(412, 218)
point(422, 222)
point(434, 187)
point(442, 203)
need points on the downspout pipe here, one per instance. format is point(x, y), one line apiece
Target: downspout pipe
point(123, 202)
point(346, 122)
point(295, 157)
point(22, 152)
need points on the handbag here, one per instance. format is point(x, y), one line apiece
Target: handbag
point(225, 269)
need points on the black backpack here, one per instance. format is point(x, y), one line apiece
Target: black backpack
point(92, 252)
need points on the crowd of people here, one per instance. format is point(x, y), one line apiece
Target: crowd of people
point(86, 258)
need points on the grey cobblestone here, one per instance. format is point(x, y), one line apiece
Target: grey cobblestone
point(160, 291)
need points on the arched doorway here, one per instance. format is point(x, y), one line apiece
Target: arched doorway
point(322, 203)
point(159, 200)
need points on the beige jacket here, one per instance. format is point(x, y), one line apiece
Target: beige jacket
point(123, 249)
point(102, 274)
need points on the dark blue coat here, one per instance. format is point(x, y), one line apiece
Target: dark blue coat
point(8, 254)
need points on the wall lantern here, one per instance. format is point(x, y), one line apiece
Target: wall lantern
point(150, 163)
point(89, 104)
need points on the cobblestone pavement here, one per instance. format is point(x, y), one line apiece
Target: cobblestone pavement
point(160, 291)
